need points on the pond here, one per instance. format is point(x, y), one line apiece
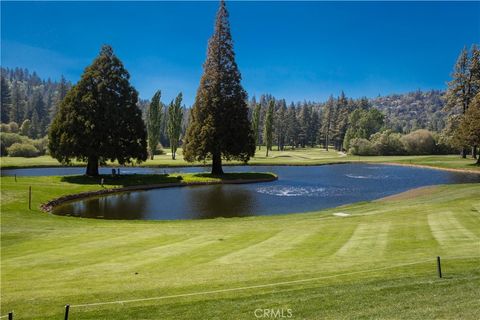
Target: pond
point(298, 189)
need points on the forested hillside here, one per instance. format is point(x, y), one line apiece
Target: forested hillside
point(26, 96)
point(412, 111)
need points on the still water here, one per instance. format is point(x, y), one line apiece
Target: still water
point(298, 189)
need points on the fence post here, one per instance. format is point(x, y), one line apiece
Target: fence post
point(10, 315)
point(439, 267)
point(30, 197)
point(67, 308)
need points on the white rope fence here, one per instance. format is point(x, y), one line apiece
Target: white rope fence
point(261, 285)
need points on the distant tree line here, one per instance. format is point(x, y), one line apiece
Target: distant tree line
point(443, 121)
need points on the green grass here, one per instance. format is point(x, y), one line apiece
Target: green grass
point(377, 263)
point(308, 156)
point(149, 179)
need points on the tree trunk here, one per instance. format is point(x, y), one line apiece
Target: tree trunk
point(474, 152)
point(217, 164)
point(478, 161)
point(464, 152)
point(266, 154)
point(92, 166)
point(151, 157)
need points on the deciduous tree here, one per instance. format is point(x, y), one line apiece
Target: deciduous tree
point(174, 127)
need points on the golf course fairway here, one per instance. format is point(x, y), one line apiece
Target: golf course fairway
point(365, 260)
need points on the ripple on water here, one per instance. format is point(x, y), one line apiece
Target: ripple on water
point(368, 176)
point(294, 191)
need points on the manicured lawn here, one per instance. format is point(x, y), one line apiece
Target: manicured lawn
point(378, 262)
point(308, 156)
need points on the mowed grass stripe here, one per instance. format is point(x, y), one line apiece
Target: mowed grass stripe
point(447, 230)
point(208, 255)
point(368, 239)
point(410, 235)
point(275, 244)
point(324, 242)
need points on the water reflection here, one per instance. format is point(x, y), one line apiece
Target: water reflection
point(123, 206)
point(299, 189)
point(220, 201)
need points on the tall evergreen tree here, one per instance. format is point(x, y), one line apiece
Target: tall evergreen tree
point(256, 123)
point(305, 119)
point(154, 120)
point(469, 129)
point(60, 94)
point(341, 121)
point(17, 109)
point(328, 117)
point(219, 126)
point(465, 83)
point(314, 126)
point(281, 124)
point(99, 119)
point(292, 126)
point(175, 116)
point(6, 100)
point(268, 127)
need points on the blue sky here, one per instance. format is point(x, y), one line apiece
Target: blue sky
point(295, 50)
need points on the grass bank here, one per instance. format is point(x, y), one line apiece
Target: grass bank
point(308, 156)
point(375, 261)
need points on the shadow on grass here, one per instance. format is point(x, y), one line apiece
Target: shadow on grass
point(148, 179)
point(237, 176)
point(123, 180)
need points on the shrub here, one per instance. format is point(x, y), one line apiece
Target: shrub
point(387, 143)
point(25, 127)
point(41, 145)
point(7, 139)
point(13, 127)
point(361, 147)
point(159, 150)
point(4, 127)
point(26, 150)
point(443, 144)
point(419, 142)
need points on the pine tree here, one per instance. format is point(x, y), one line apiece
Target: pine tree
point(268, 127)
point(256, 124)
point(280, 124)
point(38, 114)
point(315, 124)
point(328, 117)
point(465, 83)
point(292, 126)
point(99, 119)
point(219, 126)
point(60, 94)
point(154, 119)
point(341, 122)
point(6, 100)
point(17, 109)
point(175, 116)
point(468, 131)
